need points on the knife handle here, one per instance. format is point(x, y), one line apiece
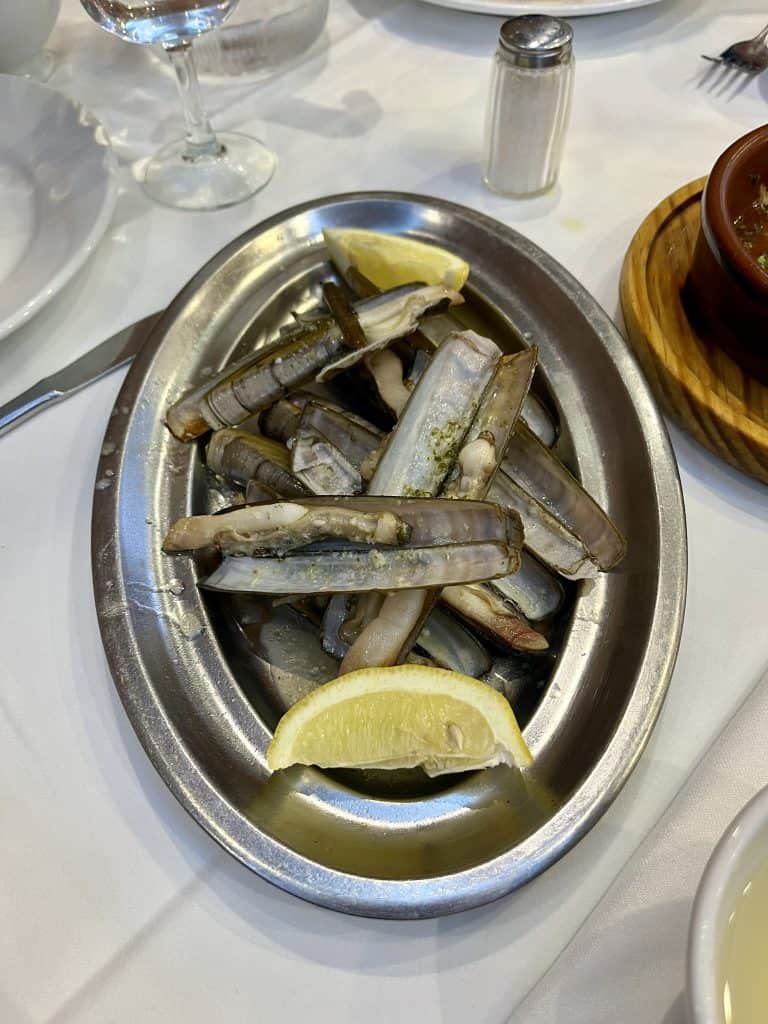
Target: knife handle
point(32, 401)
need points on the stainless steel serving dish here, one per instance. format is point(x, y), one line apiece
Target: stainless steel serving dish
point(200, 702)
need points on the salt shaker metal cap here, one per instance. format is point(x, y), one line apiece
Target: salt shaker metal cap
point(528, 105)
point(536, 41)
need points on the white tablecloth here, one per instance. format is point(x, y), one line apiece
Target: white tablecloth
point(629, 958)
point(115, 906)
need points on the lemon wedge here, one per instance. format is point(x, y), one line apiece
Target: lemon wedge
point(392, 260)
point(400, 717)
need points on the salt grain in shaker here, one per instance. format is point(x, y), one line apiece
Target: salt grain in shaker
point(528, 105)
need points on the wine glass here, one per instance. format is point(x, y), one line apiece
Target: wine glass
point(202, 171)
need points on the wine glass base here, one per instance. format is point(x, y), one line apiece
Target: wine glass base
point(209, 181)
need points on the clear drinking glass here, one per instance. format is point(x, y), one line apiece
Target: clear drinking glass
point(202, 171)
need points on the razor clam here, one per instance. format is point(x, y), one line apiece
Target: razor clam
point(433, 332)
point(437, 328)
point(239, 456)
point(540, 474)
point(320, 465)
point(254, 383)
point(538, 420)
point(386, 368)
point(452, 646)
point(545, 535)
point(533, 589)
point(282, 526)
point(387, 638)
point(431, 416)
point(512, 674)
point(366, 608)
point(491, 429)
point(429, 522)
point(432, 298)
point(422, 448)
point(353, 436)
point(345, 570)
point(493, 617)
point(334, 617)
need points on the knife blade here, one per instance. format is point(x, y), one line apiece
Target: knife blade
point(117, 351)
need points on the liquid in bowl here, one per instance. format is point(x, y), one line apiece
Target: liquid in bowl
point(744, 955)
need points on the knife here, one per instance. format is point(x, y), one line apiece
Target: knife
point(110, 355)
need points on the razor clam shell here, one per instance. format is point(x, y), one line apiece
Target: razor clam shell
point(418, 366)
point(350, 571)
point(422, 448)
point(494, 617)
point(490, 432)
point(256, 491)
point(452, 646)
point(533, 589)
point(239, 456)
point(545, 535)
point(345, 315)
point(512, 674)
point(255, 387)
point(352, 436)
point(541, 474)
point(281, 420)
point(321, 467)
point(291, 656)
point(185, 418)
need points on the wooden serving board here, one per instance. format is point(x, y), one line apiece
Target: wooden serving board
point(696, 383)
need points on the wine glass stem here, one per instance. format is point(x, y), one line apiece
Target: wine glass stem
point(200, 137)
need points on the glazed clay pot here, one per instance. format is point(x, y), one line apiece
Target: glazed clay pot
point(726, 292)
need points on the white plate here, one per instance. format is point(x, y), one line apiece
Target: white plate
point(559, 8)
point(57, 190)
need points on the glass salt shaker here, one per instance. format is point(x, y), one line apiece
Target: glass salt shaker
point(528, 105)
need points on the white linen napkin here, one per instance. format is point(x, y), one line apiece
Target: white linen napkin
point(627, 962)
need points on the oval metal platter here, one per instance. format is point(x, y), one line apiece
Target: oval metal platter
point(204, 703)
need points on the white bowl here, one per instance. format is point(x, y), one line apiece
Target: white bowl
point(743, 848)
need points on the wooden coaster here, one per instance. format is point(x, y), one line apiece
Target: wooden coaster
point(697, 384)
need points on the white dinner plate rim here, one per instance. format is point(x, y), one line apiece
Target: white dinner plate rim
point(83, 250)
point(566, 9)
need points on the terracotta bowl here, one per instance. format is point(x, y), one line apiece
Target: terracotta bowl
point(726, 293)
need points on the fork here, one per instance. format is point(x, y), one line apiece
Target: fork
point(749, 56)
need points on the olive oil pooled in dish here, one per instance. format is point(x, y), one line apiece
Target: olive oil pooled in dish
point(745, 954)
